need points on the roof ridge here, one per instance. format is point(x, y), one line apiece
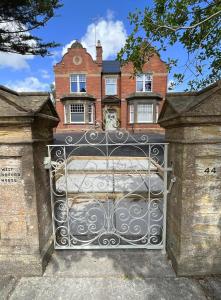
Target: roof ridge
point(12, 103)
point(6, 89)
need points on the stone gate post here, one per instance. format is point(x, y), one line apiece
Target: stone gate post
point(26, 127)
point(193, 128)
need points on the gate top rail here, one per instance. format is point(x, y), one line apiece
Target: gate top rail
point(95, 136)
point(115, 144)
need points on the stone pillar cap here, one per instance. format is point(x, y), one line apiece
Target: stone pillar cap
point(200, 107)
point(25, 105)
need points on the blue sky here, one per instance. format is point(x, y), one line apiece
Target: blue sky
point(75, 20)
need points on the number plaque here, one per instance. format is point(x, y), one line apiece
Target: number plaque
point(10, 171)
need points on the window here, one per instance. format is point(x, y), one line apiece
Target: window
point(90, 113)
point(111, 86)
point(77, 113)
point(78, 83)
point(145, 113)
point(144, 83)
point(131, 111)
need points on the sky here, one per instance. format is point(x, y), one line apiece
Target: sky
point(75, 20)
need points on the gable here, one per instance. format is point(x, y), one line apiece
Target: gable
point(48, 109)
point(77, 60)
point(167, 111)
point(8, 108)
point(211, 105)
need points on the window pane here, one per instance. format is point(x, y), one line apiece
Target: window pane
point(74, 78)
point(77, 107)
point(74, 87)
point(82, 87)
point(77, 117)
point(145, 113)
point(111, 89)
point(139, 77)
point(90, 113)
point(111, 80)
point(148, 77)
point(131, 107)
point(139, 86)
point(82, 78)
point(148, 86)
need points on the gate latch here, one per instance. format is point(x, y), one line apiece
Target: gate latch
point(47, 163)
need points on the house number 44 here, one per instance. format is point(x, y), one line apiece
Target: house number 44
point(210, 170)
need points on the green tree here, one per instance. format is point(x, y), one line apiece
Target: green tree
point(193, 24)
point(18, 18)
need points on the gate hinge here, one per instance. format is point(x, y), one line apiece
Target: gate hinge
point(172, 180)
point(47, 163)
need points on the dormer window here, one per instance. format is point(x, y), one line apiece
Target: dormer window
point(111, 86)
point(144, 82)
point(78, 83)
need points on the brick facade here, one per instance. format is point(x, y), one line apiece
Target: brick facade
point(107, 108)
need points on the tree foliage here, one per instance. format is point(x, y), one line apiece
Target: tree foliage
point(18, 18)
point(193, 24)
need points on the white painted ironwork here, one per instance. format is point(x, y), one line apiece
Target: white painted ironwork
point(108, 190)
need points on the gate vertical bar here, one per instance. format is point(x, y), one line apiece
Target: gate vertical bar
point(165, 195)
point(66, 194)
point(149, 194)
point(52, 197)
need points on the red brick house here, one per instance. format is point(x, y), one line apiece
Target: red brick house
point(102, 90)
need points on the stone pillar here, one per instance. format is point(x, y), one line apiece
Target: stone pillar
point(193, 129)
point(26, 127)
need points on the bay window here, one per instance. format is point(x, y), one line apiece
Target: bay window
point(79, 113)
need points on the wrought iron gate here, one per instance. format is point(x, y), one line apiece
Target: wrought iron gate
point(108, 190)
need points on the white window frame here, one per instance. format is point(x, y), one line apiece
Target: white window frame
point(114, 83)
point(144, 104)
point(65, 112)
point(76, 122)
point(92, 113)
point(131, 113)
point(157, 112)
point(78, 83)
point(143, 80)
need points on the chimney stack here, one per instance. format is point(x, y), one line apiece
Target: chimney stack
point(99, 52)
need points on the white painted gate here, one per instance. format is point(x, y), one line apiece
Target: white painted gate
point(108, 190)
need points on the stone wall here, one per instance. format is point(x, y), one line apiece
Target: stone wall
point(194, 204)
point(25, 210)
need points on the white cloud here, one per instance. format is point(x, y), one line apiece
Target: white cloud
point(29, 84)
point(109, 31)
point(14, 61)
point(45, 74)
